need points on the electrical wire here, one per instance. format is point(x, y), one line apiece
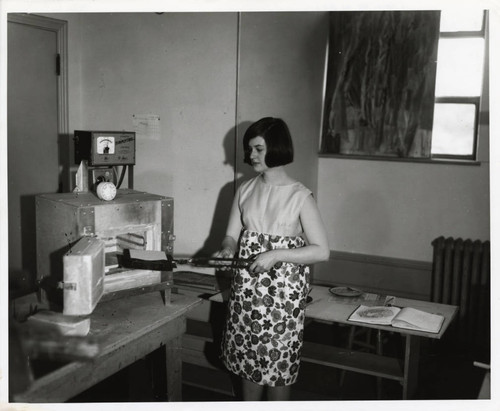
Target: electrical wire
point(121, 177)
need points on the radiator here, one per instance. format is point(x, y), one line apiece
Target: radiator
point(461, 276)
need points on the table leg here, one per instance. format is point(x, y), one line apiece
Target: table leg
point(379, 352)
point(174, 368)
point(412, 353)
point(166, 296)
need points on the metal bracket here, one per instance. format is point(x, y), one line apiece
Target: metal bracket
point(66, 286)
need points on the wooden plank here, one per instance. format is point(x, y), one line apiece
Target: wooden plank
point(196, 280)
point(198, 358)
point(200, 329)
point(365, 363)
point(134, 291)
point(195, 342)
point(173, 366)
point(76, 377)
point(208, 379)
point(127, 329)
point(412, 348)
point(201, 351)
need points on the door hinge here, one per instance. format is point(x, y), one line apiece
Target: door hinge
point(58, 64)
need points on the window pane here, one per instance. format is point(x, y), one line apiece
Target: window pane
point(461, 20)
point(453, 129)
point(460, 66)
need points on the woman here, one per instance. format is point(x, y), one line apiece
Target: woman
point(275, 222)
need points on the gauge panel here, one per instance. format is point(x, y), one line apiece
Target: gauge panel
point(105, 148)
point(105, 145)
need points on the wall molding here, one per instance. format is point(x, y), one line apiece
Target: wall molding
point(381, 260)
point(383, 275)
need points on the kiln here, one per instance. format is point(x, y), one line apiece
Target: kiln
point(80, 238)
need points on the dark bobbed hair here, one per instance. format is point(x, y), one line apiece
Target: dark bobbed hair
point(278, 140)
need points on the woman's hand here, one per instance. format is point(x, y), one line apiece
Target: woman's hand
point(264, 262)
point(226, 252)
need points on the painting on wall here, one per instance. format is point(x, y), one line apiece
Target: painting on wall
point(379, 97)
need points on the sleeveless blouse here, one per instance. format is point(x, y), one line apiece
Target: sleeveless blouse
point(272, 209)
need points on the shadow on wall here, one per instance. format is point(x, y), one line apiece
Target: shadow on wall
point(22, 279)
point(242, 172)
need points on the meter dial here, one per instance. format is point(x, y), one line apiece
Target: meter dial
point(106, 191)
point(105, 145)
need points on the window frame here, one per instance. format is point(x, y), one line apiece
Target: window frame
point(469, 100)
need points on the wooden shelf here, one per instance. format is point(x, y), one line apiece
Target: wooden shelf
point(362, 362)
point(207, 379)
point(200, 351)
point(198, 342)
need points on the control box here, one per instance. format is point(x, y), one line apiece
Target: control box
point(105, 148)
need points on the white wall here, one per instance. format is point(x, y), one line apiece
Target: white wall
point(184, 68)
point(395, 209)
point(180, 66)
point(281, 75)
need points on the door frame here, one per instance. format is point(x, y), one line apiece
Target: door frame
point(60, 28)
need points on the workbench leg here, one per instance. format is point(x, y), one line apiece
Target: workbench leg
point(378, 345)
point(166, 296)
point(412, 353)
point(174, 368)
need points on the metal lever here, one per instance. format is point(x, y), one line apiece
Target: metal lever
point(215, 262)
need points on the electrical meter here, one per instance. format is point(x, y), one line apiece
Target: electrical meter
point(105, 148)
point(105, 145)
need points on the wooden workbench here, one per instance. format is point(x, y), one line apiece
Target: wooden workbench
point(127, 330)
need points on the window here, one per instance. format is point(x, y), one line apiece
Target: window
point(404, 84)
point(459, 80)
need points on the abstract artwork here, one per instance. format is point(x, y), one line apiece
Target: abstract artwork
point(379, 96)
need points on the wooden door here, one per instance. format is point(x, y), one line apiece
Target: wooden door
point(33, 133)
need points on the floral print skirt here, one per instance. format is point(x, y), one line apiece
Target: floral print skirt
point(263, 337)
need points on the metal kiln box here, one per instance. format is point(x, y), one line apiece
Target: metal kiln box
point(132, 220)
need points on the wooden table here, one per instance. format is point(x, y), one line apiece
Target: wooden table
point(327, 308)
point(127, 330)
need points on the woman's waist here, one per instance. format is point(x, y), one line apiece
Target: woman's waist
point(273, 237)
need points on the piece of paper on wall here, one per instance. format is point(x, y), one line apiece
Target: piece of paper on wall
point(147, 126)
